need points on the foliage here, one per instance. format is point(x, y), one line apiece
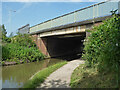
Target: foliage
point(23, 40)
point(15, 52)
point(21, 49)
point(3, 33)
point(86, 77)
point(102, 47)
point(0, 54)
point(42, 75)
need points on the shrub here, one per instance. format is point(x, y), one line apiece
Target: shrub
point(21, 48)
point(102, 47)
point(23, 40)
point(16, 52)
point(3, 33)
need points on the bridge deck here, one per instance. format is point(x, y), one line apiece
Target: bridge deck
point(81, 15)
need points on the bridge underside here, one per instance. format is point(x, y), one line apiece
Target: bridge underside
point(65, 46)
point(66, 43)
point(63, 35)
point(62, 46)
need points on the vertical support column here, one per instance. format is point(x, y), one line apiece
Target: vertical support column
point(51, 23)
point(74, 17)
point(43, 45)
point(38, 42)
point(93, 12)
point(97, 11)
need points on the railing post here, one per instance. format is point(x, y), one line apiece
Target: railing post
point(75, 16)
point(51, 23)
point(93, 14)
point(67, 19)
point(97, 10)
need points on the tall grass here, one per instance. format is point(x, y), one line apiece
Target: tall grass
point(41, 76)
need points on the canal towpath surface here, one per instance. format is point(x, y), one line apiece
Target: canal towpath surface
point(61, 77)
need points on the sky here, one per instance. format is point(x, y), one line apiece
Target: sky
point(17, 13)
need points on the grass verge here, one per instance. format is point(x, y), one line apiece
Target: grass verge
point(84, 77)
point(42, 75)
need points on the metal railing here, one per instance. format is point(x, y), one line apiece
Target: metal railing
point(91, 12)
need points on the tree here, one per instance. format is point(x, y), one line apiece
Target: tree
point(4, 32)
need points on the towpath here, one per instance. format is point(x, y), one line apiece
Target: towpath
point(61, 77)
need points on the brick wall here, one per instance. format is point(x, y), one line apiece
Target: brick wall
point(41, 44)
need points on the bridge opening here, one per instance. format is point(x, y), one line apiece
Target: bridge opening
point(66, 47)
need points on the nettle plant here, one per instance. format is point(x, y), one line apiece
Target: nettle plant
point(102, 47)
point(21, 48)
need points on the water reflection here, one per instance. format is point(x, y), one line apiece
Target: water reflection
point(15, 76)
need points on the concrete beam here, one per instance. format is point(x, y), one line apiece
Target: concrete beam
point(64, 31)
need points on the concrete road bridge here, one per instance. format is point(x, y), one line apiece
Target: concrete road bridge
point(64, 35)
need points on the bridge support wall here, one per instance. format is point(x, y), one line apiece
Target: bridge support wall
point(41, 44)
point(59, 46)
point(53, 46)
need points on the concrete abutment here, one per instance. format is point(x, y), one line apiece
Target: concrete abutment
point(64, 45)
point(60, 46)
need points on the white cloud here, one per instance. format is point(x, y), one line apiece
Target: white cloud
point(10, 11)
point(26, 5)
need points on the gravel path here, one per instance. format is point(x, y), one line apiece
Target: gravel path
point(61, 77)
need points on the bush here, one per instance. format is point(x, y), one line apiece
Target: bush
point(102, 47)
point(23, 40)
point(3, 33)
point(21, 48)
point(15, 52)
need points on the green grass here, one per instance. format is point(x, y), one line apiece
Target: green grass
point(42, 75)
point(84, 77)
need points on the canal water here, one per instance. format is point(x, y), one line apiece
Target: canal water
point(16, 75)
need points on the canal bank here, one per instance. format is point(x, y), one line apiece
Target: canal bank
point(16, 75)
point(39, 77)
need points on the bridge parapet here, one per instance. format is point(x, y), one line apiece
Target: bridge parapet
point(94, 11)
